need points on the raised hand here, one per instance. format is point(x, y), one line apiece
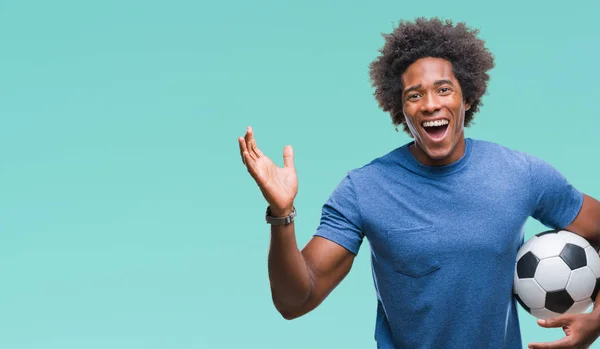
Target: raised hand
point(279, 185)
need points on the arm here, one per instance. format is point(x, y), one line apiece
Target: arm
point(581, 329)
point(587, 222)
point(300, 281)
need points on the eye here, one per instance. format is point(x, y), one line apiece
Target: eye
point(413, 97)
point(445, 90)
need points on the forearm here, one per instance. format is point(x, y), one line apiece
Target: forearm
point(291, 282)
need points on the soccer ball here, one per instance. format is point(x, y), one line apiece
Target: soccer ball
point(557, 272)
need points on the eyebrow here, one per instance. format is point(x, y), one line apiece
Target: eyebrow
point(436, 83)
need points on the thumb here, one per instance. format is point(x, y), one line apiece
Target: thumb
point(555, 322)
point(288, 156)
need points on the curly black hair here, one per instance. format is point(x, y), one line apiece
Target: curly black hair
point(410, 41)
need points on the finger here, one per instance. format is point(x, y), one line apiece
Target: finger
point(249, 138)
point(555, 322)
point(288, 156)
point(252, 148)
point(251, 166)
point(257, 151)
point(242, 144)
point(562, 343)
point(248, 141)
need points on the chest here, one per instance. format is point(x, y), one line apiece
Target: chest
point(446, 219)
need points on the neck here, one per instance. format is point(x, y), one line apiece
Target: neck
point(454, 155)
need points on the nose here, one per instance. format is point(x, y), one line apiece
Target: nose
point(430, 103)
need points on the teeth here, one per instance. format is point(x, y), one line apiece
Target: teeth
point(435, 123)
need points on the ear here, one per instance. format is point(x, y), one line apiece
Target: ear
point(467, 105)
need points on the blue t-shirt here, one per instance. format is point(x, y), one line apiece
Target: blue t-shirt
point(444, 240)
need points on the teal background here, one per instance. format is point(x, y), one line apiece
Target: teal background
point(126, 217)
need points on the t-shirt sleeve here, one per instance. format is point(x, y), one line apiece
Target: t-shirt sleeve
point(556, 202)
point(340, 217)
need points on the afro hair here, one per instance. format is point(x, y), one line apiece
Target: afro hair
point(421, 38)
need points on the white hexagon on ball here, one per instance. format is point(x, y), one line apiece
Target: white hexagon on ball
point(552, 274)
point(580, 307)
point(531, 293)
point(573, 238)
point(526, 247)
point(581, 284)
point(549, 245)
point(593, 261)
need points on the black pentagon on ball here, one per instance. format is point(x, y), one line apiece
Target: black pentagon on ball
point(522, 303)
point(526, 265)
point(574, 256)
point(596, 289)
point(547, 232)
point(559, 301)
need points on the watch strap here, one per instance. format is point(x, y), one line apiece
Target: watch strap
point(280, 220)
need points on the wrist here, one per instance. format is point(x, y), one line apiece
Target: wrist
point(281, 212)
point(274, 219)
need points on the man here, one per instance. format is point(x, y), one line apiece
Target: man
point(444, 214)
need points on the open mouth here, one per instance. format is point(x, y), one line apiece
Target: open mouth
point(436, 129)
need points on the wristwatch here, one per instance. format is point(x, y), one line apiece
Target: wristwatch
point(280, 220)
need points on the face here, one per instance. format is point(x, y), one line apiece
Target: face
point(434, 110)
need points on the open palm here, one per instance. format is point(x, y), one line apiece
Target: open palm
point(279, 185)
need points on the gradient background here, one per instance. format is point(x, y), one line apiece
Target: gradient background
point(126, 217)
